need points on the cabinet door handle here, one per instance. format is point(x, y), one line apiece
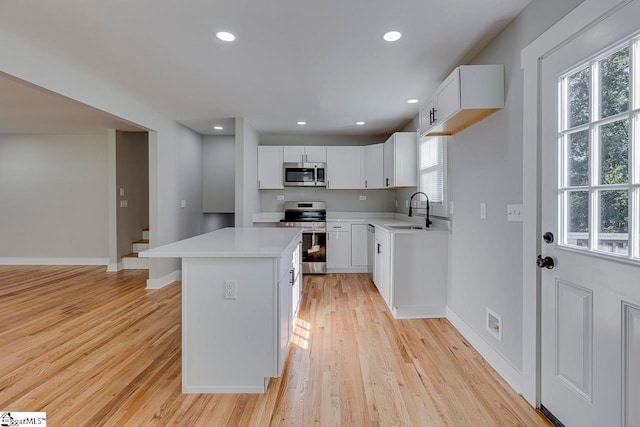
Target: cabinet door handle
point(258, 183)
point(435, 117)
point(379, 251)
point(387, 182)
point(365, 183)
point(293, 277)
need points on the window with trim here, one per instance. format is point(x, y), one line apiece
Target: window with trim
point(599, 154)
point(432, 173)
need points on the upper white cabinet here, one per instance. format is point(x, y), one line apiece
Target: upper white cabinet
point(373, 164)
point(270, 172)
point(400, 160)
point(305, 154)
point(344, 168)
point(469, 94)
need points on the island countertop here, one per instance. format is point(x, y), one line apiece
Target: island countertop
point(231, 242)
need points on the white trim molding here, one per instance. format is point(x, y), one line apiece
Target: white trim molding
point(54, 261)
point(580, 19)
point(164, 280)
point(490, 354)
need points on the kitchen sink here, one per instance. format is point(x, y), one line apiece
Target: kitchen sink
point(406, 227)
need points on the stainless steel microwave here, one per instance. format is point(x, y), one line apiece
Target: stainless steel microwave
point(304, 175)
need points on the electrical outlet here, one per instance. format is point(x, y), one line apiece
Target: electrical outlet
point(230, 289)
point(494, 324)
point(280, 197)
point(514, 212)
point(363, 197)
point(124, 203)
point(483, 210)
point(183, 204)
point(406, 204)
point(122, 192)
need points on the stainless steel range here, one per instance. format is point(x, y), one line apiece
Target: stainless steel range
point(312, 218)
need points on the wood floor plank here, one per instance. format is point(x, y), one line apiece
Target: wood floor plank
point(97, 349)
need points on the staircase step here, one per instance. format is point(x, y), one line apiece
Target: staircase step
point(140, 245)
point(133, 262)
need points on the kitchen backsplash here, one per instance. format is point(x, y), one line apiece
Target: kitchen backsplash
point(337, 200)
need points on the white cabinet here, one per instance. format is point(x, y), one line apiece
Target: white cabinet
point(358, 245)
point(383, 264)
point(400, 160)
point(289, 288)
point(373, 166)
point(270, 172)
point(410, 272)
point(303, 154)
point(467, 95)
point(338, 245)
point(344, 168)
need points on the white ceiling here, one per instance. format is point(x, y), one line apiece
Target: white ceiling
point(323, 62)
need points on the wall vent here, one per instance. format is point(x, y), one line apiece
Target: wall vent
point(494, 324)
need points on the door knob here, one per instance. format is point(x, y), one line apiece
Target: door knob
point(548, 237)
point(546, 262)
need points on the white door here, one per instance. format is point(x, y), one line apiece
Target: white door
point(590, 299)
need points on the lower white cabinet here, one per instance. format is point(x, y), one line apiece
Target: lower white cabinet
point(383, 264)
point(411, 272)
point(338, 248)
point(289, 288)
point(358, 245)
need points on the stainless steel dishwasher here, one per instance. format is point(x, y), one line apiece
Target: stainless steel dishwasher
point(371, 244)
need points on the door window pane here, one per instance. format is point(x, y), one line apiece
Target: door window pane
point(578, 86)
point(614, 83)
point(577, 218)
point(614, 222)
point(578, 167)
point(614, 152)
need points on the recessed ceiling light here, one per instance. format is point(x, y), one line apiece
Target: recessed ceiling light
point(218, 127)
point(359, 123)
point(225, 36)
point(412, 101)
point(392, 36)
point(302, 123)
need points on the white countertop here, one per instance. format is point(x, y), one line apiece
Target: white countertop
point(249, 242)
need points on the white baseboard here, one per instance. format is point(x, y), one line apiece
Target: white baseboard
point(490, 354)
point(347, 270)
point(114, 266)
point(419, 312)
point(164, 281)
point(222, 389)
point(54, 261)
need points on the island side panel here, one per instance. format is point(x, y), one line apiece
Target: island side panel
point(228, 346)
point(419, 270)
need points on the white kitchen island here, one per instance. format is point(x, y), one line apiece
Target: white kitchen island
point(240, 293)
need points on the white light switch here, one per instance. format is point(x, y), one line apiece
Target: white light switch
point(514, 212)
point(183, 204)
point(122, 192)
point(280, 197)
point(124, 203)
point(363, 197)
point(483, 210)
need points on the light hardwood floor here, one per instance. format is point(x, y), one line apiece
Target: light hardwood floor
point(95, 348)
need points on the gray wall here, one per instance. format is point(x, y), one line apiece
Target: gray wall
point(485, 165)
point(337, 200)
point(54, 196)
point(247, 196)
point(218, 174)
point(132, 175)
point(268, 139)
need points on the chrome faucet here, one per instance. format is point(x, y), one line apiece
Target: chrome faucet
point(427, 220)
